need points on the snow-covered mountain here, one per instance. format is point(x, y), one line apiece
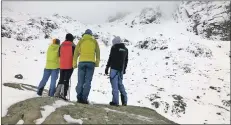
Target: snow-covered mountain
point(146, 16)
point(117, 16)
point(182, 76)
point(210, 19)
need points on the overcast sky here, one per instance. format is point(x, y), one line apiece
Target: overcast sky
point(88, 12)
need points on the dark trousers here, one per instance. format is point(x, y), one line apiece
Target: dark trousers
point(65, 75)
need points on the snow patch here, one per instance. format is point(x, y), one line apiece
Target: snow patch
point(48, 109)
point(71, 120)
point(20, 122)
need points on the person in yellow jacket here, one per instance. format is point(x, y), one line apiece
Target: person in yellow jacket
point(88, 52)
point(51, 68)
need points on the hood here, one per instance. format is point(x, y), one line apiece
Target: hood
point(88, 31)
point(54, 47)
point(116, 40)
point(87, 36)
point(56, 41)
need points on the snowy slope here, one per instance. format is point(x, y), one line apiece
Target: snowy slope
point(173, 71)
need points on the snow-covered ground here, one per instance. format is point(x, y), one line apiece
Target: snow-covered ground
point(182, 76)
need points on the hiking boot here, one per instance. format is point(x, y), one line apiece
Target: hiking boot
point(40, 91)
point(113, 104)
point(49, 92)
point(64, 98)
point(124, 104)
point(83, 102)
point(122, 99)
point(79, 101)
point(58, 90)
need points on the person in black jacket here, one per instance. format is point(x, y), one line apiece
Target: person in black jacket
point(118, 60)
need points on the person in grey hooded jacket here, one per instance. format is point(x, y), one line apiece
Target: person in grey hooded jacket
point(118, 60)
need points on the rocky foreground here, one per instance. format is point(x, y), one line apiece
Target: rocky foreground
point(48, 110)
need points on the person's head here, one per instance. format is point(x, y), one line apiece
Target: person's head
point(88, 31)
point(69, 37)
point(116, 40)
point(56, 41)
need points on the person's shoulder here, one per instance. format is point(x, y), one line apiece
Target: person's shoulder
point(126, 48)
point(113, 46)
point(93, 39)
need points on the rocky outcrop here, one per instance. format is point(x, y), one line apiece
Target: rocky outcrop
point(33, 28)
point(199, 50)
point(21, 86)
point(209, 19)
point(49, 110)
point(178, 106)
point(159, 42)
point(149, 15)
point(146, 16)
point(30, 111)
point(117, 16)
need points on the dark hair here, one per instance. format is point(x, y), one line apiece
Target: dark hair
point(57, 41)
point(69, 37)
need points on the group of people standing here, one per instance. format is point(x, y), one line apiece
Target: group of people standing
point(62, 59)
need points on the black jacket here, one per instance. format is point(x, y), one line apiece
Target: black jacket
point(118, 58)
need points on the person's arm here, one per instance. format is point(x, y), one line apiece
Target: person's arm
point(126, 61)
point(97, 51)
point(76, 54)
point(109, 59)
point(73, 49)
point(59, 51)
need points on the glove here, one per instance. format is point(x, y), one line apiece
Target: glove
point(106, 70)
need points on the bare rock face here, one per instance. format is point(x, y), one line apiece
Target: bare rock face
point(209, 19)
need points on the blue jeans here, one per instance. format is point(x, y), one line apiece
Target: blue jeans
point(116, 79)
point(85, 74)
point(54, 76)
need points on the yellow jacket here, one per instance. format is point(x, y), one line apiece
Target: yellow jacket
point(52, 61)
point(87, 50)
